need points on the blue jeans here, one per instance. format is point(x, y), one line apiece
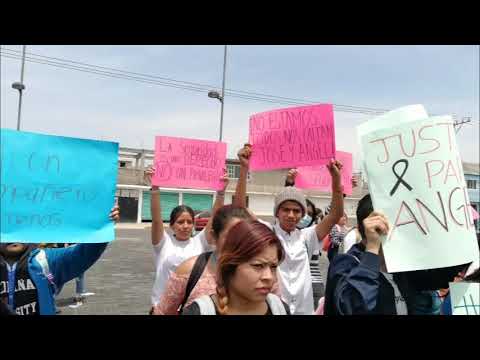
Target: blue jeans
point(80, 284)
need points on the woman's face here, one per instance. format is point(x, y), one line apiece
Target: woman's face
point(254, 279)
point(183, 226)
point(223, 234)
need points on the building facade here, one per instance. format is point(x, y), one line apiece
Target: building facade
point(134, 195)
point(472, 178)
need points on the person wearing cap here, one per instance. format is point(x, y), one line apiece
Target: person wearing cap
point(290, 207)
point(294, 273)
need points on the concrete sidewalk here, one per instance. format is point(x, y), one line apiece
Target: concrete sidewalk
point(121, 226)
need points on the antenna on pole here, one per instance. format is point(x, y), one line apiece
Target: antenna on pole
point(459, 123)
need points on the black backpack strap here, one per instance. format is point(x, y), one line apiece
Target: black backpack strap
point(195, 275)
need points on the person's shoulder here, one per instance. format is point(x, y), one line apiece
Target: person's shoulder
point(351, 233)
point(203, 305)
point(166, 238)
point(167, 235)
point(186, 267)
point(348, 259)
point(199, 235)
point(308, 230)
point(275, 301)
point(309, 234)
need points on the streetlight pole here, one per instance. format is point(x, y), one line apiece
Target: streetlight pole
point(221, 97)
point(20, 87)
point(223, 91)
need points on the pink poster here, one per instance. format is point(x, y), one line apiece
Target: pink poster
point(188, 163)
point(292, 137)
point(318, 177)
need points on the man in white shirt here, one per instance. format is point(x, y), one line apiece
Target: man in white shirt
point(299, 245)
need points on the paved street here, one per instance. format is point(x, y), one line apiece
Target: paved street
point(123, 277)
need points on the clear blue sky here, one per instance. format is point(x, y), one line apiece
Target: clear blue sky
point(445, 79)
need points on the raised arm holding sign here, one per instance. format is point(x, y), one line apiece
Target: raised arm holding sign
point(416, 178)
point(182, 163)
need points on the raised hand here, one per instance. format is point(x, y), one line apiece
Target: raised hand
point(115, 214)
point(376, 225)
point(334, 168)
point(244, 155)
point(224, 179)
point(148, 174)
point(291, 175)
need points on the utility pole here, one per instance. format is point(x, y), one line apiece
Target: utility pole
point(20, 87)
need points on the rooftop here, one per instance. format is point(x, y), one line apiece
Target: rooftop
point(471, 168)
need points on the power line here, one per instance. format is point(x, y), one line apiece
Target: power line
point(144, 80)
point(338, 107)
point(178, 84)
point(185, 85)
point(131, 78)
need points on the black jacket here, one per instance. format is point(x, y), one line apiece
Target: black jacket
point(357, 287)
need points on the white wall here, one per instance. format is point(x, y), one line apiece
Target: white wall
point(260, 204)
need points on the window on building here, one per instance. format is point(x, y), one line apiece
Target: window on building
point(233, 171)
point(123, 164)
point(126, 193)
point(471, 184)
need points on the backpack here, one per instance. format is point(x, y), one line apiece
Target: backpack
point(207, 306)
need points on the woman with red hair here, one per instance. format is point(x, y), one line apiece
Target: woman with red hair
point(246, 273)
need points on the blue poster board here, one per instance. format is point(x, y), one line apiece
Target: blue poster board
point(56, 189)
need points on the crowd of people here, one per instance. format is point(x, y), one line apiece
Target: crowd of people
point(241, 264)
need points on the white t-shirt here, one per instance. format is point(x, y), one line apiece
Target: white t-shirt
point(294, 272)
point(349, 240)
point(169, 253)
point(400, 303)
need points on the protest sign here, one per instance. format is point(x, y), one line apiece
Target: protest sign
point(56, 189)
point(292, 137)
point(318, 177)
point(188, 163)
point(398, 116)
point(464, 298)
point(415, 177)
